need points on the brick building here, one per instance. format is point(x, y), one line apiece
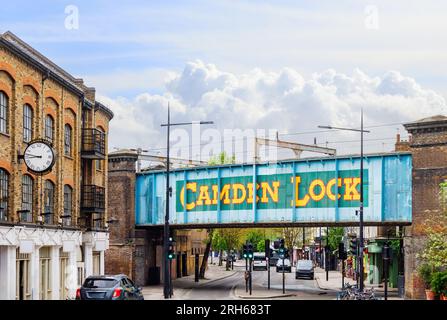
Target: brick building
point(428, 145)
point(139, 252)
point(52, 226)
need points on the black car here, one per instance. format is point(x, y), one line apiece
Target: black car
point(304, 269)
point(117, 287)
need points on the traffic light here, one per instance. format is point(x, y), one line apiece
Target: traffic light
point(267, 248)
point(353, 246)
point(245, 251)
point(341, 251)
point(250, 251)
point(282, 249)
point(171, 252)
point(286, 253)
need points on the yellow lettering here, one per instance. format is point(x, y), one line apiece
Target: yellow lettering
point(320, 183)
point(203, 195)
point(238, 187)
point(273, 192)
point(225, 193)
point(329, 187)
point(299, 202)
point(215, 189)
point(189, 186)
point(351, 192)
point(250, 192)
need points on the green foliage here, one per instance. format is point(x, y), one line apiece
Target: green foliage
point(395, 245)
point(227, 239)
point(435, 251)
point(425, 271)
point(438, 283)
point(222, 158)
point(255, 236)
point(260, 246)
point(335, 237)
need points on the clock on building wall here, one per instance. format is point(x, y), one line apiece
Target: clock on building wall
point(39, 157)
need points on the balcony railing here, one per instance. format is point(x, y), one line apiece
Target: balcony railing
point(92, 199)
point(93, 144)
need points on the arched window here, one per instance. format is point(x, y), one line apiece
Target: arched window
point(68, 205)
point(3, 112)
point(27, 123)
point(27, 199)
point(49, 128)
point(67, 140)
point(49, 202)
point(4, 185)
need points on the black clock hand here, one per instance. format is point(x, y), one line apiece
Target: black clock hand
point(32, 156)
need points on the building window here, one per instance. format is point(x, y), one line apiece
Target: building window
point(68, 203)
point(49, 128)
point(4, 184)
point(45, 273)
point(23, 276)
point(27, 199)
point(49, 202)
point(27, 123)
point(100, 162)
point(3, 112)
point(67, 140)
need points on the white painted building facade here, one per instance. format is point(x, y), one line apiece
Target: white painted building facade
point(40, 263)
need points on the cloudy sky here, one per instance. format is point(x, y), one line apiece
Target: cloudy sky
point(283, 65)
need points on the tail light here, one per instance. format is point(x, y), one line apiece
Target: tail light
point(78, 293)
point(117, 292)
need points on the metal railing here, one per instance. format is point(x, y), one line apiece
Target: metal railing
point(92, 198)
point(93, 143)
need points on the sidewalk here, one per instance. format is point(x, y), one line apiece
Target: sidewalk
point(334, 283)
point(183, 285)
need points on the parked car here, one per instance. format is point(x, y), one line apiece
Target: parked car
point(111, 287)
point(287, 265)
point(259, 261)
point(304, 269)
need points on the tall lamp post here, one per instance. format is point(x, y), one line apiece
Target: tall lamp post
point(166, 275)
point(361, 130)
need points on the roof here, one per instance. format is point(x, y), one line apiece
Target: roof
point(45, 65)
point(280, 162)
point(436, 121)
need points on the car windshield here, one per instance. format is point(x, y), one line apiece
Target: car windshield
point(99, 283)
point(305, 264)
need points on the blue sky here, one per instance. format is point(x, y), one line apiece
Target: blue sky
point(131, 48)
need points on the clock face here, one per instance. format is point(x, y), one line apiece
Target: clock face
point(39, 157)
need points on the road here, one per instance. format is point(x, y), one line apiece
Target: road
point(233, 287)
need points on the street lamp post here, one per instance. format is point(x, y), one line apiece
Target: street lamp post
point(166, 272)
point(361, 130)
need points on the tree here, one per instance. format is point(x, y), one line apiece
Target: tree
point(255, 236)
point(221, 158)
point(434, 253)
point(226, 240)
point(335, 237)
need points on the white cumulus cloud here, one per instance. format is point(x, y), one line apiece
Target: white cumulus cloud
point(282, 100)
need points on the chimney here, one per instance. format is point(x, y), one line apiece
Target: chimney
point(398, 138)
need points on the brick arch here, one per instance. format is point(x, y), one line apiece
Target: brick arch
point(55, 100)
point(31, 82)
point(53, 94)
point(51, 112)
point(30, 101)
point(71, 122)
point(6, 89)
point(25, 171)
point(7, 68)
point(101, 123)
point(6, 166)
point(69, 182)
point(51, 177)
